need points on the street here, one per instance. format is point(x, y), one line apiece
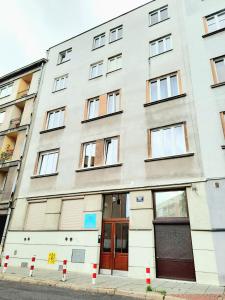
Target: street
point(19, 291)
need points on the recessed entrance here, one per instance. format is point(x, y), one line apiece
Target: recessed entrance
point(115, 233)
point(173, 246)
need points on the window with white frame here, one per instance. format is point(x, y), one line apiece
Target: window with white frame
point(99, 41)
point(111, 151)
point(93, 108)
point(164, 87)
point(64, 56)
point(168, 141)
point(2, 116)
point(161, 45)
point(6, 90)
point(89, 155)
point(55, 118)
point(60, 83)
point(216, 21)
point(115, 63)
point(96, 70)
point(220, 68)
point(113, 102)
point(48, 161)
point(158, 15)
point(116, 33)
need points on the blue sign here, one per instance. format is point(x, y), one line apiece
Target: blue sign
point(90, 221)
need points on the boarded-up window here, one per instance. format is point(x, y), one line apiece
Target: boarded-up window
point(35, 216)
point(71, 215)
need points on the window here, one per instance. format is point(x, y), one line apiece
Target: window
point(111, 151)
point(171, 204)
point(60, 83)
point(216, 21)
point(48, 162)
point(99, 41)
point(168, 141)
point(116, 206)
point(164, 87)
point(93, 108)
point(115, 63)
point(113, 102)
point(89, 155)
point(158, 15)
point(219, 68)
point(64, 56)
point(96, 70)
point(161, 45)
point(55, 118)
point(6, 90)
point(2, 116)
point(116, 33)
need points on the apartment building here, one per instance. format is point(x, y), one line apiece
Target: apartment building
point(126, 161)
point(18, 91)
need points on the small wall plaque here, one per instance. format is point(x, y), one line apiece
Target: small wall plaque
point(140, 199)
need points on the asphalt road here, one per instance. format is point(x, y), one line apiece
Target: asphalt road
point(21, 291)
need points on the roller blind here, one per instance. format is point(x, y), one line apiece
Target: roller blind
point(71, 215)
point(35, 216)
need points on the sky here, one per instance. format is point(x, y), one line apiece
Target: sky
point(29, 27)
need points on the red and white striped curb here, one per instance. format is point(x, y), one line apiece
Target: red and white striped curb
point(5, 266)
point(32, 266)
point(148, 279)
point(64, 271)
point(94, 273)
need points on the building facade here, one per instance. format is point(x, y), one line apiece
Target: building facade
point(18, 91)
point(126, 161)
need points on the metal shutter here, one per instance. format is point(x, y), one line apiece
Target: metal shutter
point(71, 215)
point(35, 216)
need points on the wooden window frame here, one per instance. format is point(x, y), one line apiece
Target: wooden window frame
point(214, 70)
point(222, 117)
point(149, 139)
point(179, 85)
point(118, 147)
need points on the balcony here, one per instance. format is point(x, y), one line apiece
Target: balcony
point(14, 123)
point(22, 94)
point(6, 155)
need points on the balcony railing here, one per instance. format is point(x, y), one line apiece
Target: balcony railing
point(22, 93)
point(6, 155)
point(14, 123)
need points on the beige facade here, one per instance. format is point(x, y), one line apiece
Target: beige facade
point(130, 107)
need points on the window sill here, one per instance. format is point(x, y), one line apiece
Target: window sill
point(103, 116)
point(96, 77)
point(159, 54)
point(213, 32)
point(113, 71)
point(52, 129)
point(170, 157)
point(93, 49)
point(158, 22)
point(110, 42)
point(217, 84)
point(99, 167)
point(165, 100)
point(63, 62)
point(44, 175)
point(59, 90)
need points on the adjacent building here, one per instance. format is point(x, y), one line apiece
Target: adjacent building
point(126, 161)
point(18, 91)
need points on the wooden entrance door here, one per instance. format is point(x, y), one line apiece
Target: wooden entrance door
point(114, 246)
point(173, 245)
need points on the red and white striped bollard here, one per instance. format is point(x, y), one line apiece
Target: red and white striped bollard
point(32, 266)
point(64, 270)
point(148, 279)
point(94, 274)
point(5, 266)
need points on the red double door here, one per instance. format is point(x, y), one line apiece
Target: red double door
point(114, 245)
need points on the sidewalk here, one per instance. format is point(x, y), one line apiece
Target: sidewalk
point(135, 288)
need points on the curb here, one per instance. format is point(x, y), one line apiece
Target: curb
point(96, 290)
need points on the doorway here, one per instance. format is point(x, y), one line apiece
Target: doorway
point(115, 233)
point(173, 244)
